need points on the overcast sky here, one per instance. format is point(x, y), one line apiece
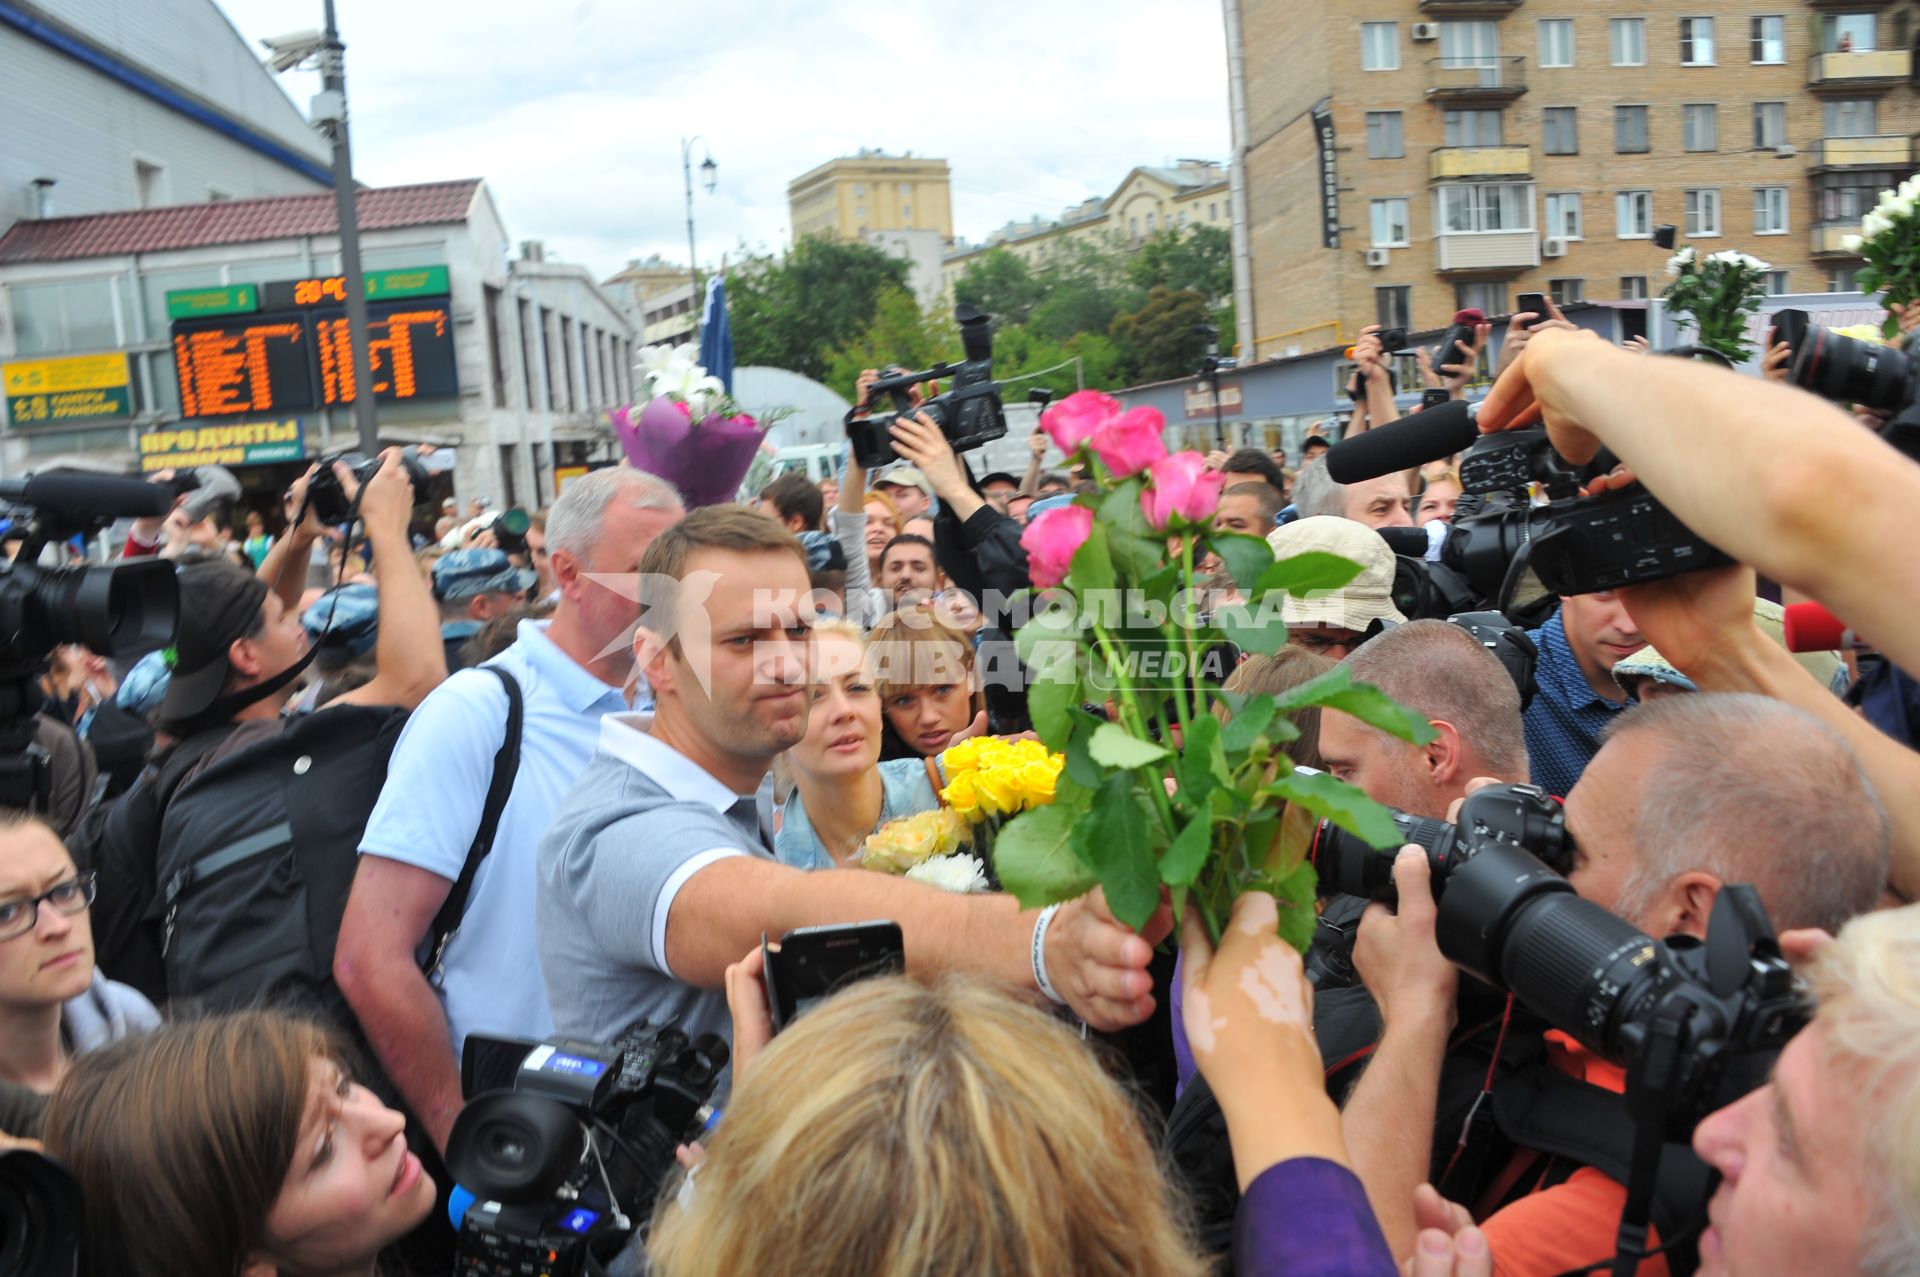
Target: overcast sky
point(574, 110)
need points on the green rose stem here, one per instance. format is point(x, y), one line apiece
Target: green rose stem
point(1130, 706)
point(1193, 664)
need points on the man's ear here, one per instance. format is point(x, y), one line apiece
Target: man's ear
point(650, 657)
point(244, 658)
point(1687, 903)
point(567, 571)
point(1444, 754)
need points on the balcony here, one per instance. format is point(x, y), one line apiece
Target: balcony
point(1487, 252)
point(1470, 8)
point(1884, 151)
point(1476, 79)
point(1450, 163)
point(1827, 237)
point(1868, 70)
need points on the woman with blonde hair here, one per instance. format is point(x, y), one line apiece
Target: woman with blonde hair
point(842, 791)
point(907, 1130)
point(929, 686)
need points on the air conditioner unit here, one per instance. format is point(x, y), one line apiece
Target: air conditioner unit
point(1378, 257)
point(1553, 248)
point(1424, 31)
point(1786, 150)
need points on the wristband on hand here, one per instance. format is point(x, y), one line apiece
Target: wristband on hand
point(1040, 953)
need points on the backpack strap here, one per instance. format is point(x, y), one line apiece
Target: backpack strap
point(506, 765)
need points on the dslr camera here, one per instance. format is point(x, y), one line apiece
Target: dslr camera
point(328, 499)
point(1499, 815)
point(565, 1144)
point(969, 414)
point(1848, 370)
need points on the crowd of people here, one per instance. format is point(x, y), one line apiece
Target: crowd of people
point(421, 780)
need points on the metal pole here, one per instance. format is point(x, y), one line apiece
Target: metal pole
point(693, 259)
point(333, 79)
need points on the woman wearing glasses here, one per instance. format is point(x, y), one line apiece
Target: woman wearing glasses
point(53, 1004)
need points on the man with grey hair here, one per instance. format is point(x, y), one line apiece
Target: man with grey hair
point(1442, 673)
point(1385, 502)
point(571, 671)
point(1687, 795)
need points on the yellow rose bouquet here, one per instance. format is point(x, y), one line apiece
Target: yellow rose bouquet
point(989, 782)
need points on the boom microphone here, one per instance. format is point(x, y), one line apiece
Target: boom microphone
point(75, 496)
point(1405, 444)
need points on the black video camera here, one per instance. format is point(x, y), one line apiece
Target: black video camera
point(1498, 815)
point(1573, 544)
point(969, 414)
point(1847, 370)
point(565, 1164)
point(40, 1216)
point(327, 498)
point(1701, 1020)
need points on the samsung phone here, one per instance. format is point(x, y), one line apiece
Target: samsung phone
point(813, 962)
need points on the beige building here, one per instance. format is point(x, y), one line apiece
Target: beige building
point(1404, 158)
point(1148, 200)
point(849, 197)
point(657, 297)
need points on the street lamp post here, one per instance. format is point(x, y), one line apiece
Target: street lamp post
point(329, 114)
point(1210, 369)
point(709, 172)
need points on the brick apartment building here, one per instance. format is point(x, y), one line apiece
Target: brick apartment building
point(1403, 158)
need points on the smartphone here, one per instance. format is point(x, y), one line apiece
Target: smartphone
point(812, 963)
point(1534, 303)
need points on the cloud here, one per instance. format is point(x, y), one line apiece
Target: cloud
point(574, 112)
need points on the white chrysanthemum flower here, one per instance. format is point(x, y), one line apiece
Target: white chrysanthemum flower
point(1874, 225)
point(1850, 243)
point(1680, 259)
point(959, 872)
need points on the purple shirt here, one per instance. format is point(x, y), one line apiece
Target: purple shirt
point(1309, 1217)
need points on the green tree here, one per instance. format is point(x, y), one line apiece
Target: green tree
point(1200, 258)
point(1024, 359)
point(1159, 339)
point(1086, 287)
point(1001, 284)
point(899, 333)
point(791, 311)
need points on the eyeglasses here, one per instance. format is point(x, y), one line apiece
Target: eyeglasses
point(1322, 644)
point(21, 915)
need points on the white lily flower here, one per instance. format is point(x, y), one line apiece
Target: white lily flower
point(1874, 225)
point(1850, 243)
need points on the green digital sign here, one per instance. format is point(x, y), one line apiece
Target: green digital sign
point(199, 303)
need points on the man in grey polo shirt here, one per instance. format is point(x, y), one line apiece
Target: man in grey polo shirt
point(656, 874)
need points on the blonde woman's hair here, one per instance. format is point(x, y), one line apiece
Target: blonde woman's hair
point(1868, 985)
point(893, 511)
point(912, 647)
point(907, 1130)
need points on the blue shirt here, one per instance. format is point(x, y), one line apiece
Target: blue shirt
point(904, 790)
point(1566, 718)
point(429, 811)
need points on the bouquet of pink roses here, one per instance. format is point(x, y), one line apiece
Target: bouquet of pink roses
point(1162, 794)
point(687, 431)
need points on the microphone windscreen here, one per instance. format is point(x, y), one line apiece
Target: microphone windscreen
point(1410, 442)
point(1409, 543)
point(78, 493)
point(1470, 316)
point(1811, 628)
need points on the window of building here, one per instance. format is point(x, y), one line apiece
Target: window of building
point(50, 318)
point(1133, 227)
point(906, 188)
point(1696, 42)
point(1182, 219)
point(1769, 124)
point(1840, 279)
point(1393, 306)
point(526, 351)
point(1473, 128)
point(1848, 33)
point(1491, 206)
point(1213, 212)
point(1770, 210)
point(1849, 195)
point(1700, 126)
point(1633, 214)
point(1703, 212)
point(149, 183)
point(1852, 117)
point(1152, 222)
point(1633, 288)
point(1629, 129)
point(1379, 46)
point(1556, 42)
point(1567, 291)
point(860, 189)
point(1777, 283)
point(1563, 216)
point(1560, 130)
point(1768, 38)
point(1628, 37)
point(1490, 297)
point(1390, 223)
point(1470, 44)
point(860, 213)
point(1384, 141)
point(906, 214)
